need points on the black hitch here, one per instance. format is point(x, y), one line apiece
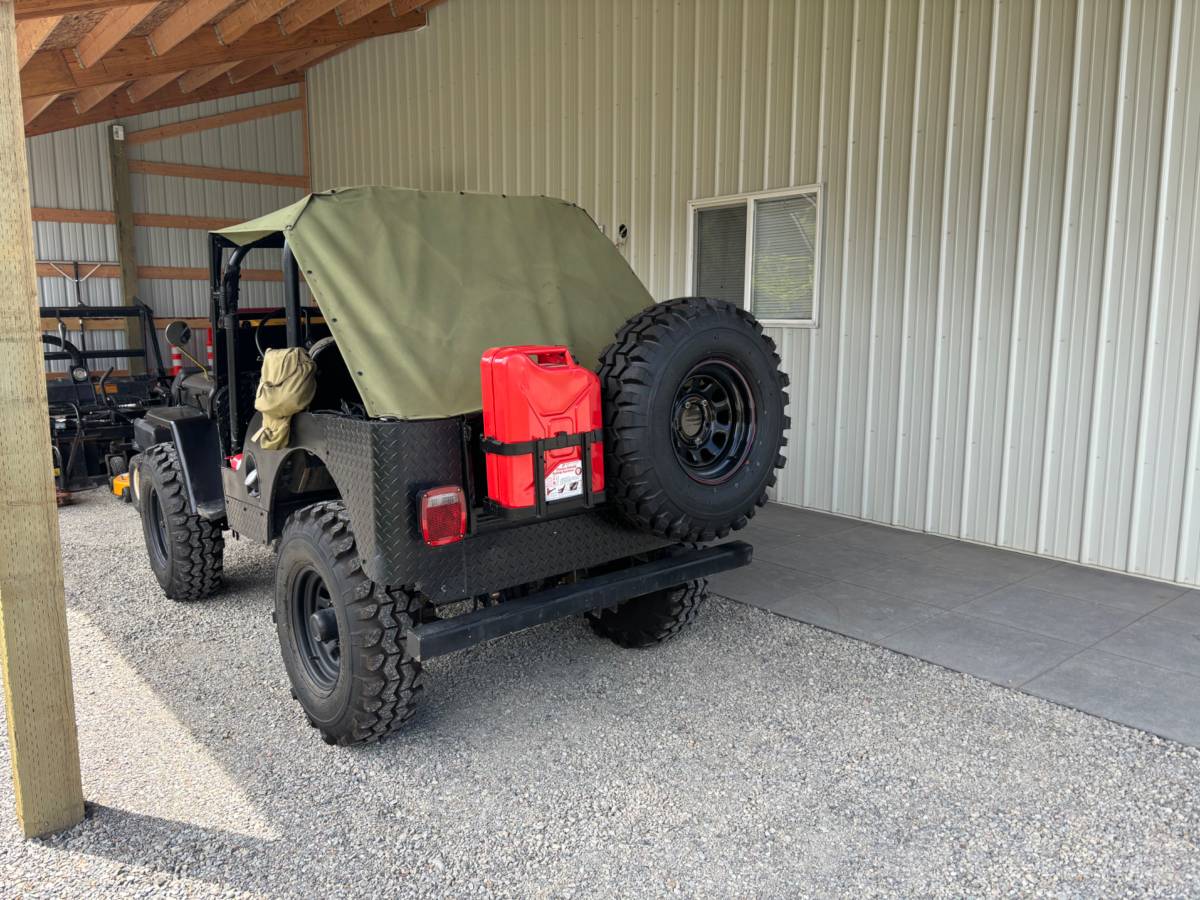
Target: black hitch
point(448, 635)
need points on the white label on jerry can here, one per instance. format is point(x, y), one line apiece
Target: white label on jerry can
point(566, 480)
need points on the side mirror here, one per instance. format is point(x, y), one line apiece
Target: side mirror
point(178, 333)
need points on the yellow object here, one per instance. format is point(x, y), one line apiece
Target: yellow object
point(120, 484)
point(287, 386)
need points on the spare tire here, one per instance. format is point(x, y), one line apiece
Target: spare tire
point(694, 418)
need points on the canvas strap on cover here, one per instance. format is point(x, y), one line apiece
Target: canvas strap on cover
point(287, 386)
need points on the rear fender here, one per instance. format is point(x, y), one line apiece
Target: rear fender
point(199, 450)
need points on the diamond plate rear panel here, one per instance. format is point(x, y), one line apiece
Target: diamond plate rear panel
point(381, 467)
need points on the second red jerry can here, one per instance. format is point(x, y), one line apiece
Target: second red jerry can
point(540, 394)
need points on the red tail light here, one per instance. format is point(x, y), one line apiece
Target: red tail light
point(443, 515)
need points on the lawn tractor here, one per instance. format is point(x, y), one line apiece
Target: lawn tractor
point(466, 417)
point(92, 411)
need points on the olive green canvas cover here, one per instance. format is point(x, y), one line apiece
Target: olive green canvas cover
point(416, 285)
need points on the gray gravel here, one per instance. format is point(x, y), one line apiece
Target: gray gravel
point(753, 756)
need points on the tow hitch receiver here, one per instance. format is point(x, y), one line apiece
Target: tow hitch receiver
point(448, 635)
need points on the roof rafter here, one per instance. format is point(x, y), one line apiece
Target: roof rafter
point(113, 28)
point(302, 12)
point(183, 22)
point(31, 34)
point(50, 72)
point(38, 9)
point(61, 114)
point(197, 78)
point(151, 84)
point(353, 10)
point(235, 25)
point(89, 97)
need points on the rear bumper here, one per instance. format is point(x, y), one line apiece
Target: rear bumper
point(447, 636)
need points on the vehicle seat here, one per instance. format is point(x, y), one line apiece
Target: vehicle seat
point(335, 387)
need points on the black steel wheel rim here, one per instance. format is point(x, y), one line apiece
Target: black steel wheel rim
point(713, 421)
point(159, 541)
point(314, 624)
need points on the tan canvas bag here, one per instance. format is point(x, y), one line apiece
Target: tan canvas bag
point(287, 386)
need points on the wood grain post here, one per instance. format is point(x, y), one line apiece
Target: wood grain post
point(126, 254)
point(34, 656)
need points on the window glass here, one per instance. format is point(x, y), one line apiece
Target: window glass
point(720, 253)
point(785, 254)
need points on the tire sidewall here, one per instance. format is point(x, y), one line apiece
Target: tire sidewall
point(152, 495)
point(299, 551)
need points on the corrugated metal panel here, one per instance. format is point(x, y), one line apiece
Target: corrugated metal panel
point(1007, 346)
point(70, 169)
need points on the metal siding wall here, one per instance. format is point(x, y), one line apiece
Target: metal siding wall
point(70, 169)
point(1007, 348)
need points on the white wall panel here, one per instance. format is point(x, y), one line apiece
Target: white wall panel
point(1007, 339)
point(70, 170)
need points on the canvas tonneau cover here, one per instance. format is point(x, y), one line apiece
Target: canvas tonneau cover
point(416, 285)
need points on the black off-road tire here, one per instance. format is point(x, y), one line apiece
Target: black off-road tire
point(646, 374)
point(373, 685)
point(186, 551)
point(652, 618)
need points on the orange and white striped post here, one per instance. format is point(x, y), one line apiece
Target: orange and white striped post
point(176, 360)
point(208, 348)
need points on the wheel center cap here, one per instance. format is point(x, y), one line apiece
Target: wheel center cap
point(694, 419)
point(322, 625)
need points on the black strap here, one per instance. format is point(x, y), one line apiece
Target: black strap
point(558, 442)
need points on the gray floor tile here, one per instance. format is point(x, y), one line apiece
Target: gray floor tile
point(852, 610)
point(1185, 609)
point(972, 559)
point(1054, 615)
point(762, 583)
point(822, 556)
point(804, 522)
point(989, 650)
point(919, 579)
point(1160, 642)
point(1111, 588)
point(1127, 691)
point(893, 541)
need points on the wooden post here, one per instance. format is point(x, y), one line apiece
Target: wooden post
point(126, 254)
point(33, 620)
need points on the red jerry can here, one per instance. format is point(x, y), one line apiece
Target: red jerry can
point(538, 402)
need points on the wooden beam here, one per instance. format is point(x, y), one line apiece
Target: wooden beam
point(40, 9)
point(233, 117)
point(183, 22)
point(33, 107)
point(248, 68)
point(144, 220)
point(164, 273)
point(35, 658)
point(46, 270)
point(197, 78)
point(302, 59)
point(196, 223)
point(62, 113)
point(90, 96)
point(122, 193)
point(238, 23)
point(353, 10)
point(151, 84)
point(112, 29)
point(209, 173)
point(31, 34)
point(302, 12)
point(52, 72)
point(79, 216)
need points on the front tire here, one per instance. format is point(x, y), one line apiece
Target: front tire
point(652, 618)
point(342, 636)
point(186, 551)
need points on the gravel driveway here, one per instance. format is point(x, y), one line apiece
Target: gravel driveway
point(753, 756)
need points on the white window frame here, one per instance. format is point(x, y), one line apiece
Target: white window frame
point(749, 200)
